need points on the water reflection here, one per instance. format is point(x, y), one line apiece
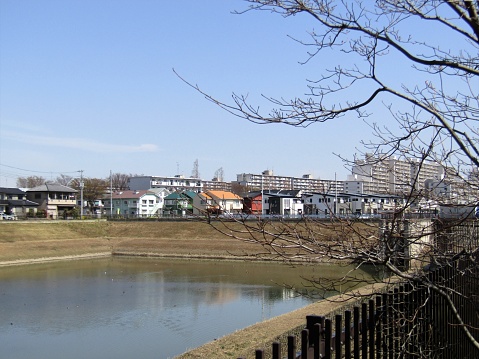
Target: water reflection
point(135, 308)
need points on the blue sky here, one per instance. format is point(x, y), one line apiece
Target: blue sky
point(89, 85)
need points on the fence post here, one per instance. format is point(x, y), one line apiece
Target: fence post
point(364, 330)
point(259, 354)
point(276, 350)
point(314, 333)
point(377, 320)
point(291, 347)
point(357, 332)
point(347, 334)
point(327, 338)
point(337, 339)
point(304, 343)
point(371, 333)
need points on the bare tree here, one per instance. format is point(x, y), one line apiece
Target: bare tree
point(119, 181)
point(64, 180)
point(429, 83)
point(219, 175)
point(30, 181)
point(195, 173)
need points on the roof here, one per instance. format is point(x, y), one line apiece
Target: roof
point(128, 194)
point(19, 203)
point(223, 195)
point(283, 193)
point(177, 195)
point(52, 187)
point(8, 190)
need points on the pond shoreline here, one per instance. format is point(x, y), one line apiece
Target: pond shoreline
point(24, 243)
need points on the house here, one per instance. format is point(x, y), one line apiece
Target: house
point(347, 204)
point(282, 202)
point(217, 202)
point(179, 203)
point(14, 201)
point(55, 199)
point(136, 203)
point(252, 203)
point(327, 204)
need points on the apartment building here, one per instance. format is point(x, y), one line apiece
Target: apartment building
point(268, 181)
point(172, 184)
point(375, 174)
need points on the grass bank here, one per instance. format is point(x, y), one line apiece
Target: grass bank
point(21, 242)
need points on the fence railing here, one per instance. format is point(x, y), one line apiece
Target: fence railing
point(414, 320)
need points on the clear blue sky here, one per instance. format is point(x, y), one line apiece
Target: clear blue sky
point(88, 85)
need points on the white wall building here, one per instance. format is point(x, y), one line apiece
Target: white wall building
point(172, 184)
point(374, 174)
point(129, 203)
point(268, 181)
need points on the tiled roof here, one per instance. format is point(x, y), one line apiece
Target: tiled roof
point(223, 195)
point(52, 187)
point(8, 190)
point(128, 194)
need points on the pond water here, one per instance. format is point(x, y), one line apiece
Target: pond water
point(138, 307)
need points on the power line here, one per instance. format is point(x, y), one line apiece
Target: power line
point(49, 172)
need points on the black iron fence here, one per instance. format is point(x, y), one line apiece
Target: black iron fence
point(427, 318)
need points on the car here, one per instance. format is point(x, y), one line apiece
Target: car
point(9, 217)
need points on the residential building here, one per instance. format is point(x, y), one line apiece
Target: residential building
point(14, 201)
point(143, 203)
point(252, 203)
point(267, 180)
point(177, 183)
point(283, 203)
point(179, 203)
point(217, 202)
point(215, 185)
point(388, 174)
point(345, 204)
point(56, 200)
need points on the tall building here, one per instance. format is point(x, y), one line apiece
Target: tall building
point(268, 181)
point(375, 174)
point(176, 183)
point(172, 184)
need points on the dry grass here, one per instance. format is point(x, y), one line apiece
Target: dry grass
point(34, 240)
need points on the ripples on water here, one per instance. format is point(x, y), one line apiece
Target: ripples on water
point(134, 308)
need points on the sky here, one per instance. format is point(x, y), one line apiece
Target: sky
point(89, 85)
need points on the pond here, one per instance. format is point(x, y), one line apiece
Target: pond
point(138, 307)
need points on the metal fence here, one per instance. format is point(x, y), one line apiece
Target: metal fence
point(414, 320)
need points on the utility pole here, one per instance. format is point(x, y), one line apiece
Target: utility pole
point(111, 196)
point(81, 194)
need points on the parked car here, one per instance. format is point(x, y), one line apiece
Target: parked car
point(9, 217)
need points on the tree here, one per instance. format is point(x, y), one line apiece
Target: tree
point(195, 173)
point(93, 190)
point(30, 181)
point(420, 59)
point(219, 175)
point(119, 181)
point(64, 179)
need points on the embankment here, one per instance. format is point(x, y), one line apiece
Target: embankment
point(23, 241)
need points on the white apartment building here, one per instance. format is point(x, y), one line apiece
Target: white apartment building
point(374, 174)
point(268, 181)
point(172, 184)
